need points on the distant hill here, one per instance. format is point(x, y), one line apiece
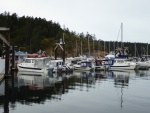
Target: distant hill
point(33, 34)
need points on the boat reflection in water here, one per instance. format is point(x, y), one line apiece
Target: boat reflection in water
point(84, 79)
point(121, 78)
point(35, 81)
point(34, 89)
point(121, 81)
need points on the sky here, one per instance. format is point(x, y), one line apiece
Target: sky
point(100, 18)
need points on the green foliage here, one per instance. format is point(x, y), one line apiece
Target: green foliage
point(32, 34)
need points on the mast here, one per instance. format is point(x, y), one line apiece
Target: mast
point(147, 50)
point(104, 48)
point(109, 46)
point(114, 47)
point(88, 45)
point(93, 46)
point(81, 48)
point(63, 41)
point(98, 48)
point(76, 48)
point(121, 35)
point(135, 49)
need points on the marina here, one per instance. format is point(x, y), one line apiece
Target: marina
point(45, 68)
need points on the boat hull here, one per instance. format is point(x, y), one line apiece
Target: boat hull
point(130, 67)
point(30, 69)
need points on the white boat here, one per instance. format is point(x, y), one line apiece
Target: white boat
point(121, 64)
point(143, 64)
point(58, 65)
point(98, 65)
point(40, 65)
point(84, 66)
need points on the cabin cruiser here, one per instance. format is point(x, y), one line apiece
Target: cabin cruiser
point(58, 66)
point(40, 65)
point(84, 66)
point(120, 63)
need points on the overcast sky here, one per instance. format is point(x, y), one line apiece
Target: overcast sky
point(101, 18)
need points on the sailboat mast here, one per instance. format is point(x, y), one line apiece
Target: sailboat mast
point(76, 48)
point(88, 45)
point(114, 47)
point(109, 46)
point(104, 48)
point(147, 50)
point(135, 50)
point(81, 48)
point(121, 35)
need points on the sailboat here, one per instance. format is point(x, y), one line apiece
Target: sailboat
point(142, 62)
point(120, 61)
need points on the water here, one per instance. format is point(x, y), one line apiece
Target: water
point(80, 92)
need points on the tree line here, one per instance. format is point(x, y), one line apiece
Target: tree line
point(31, 34)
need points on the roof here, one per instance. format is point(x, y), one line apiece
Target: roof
point(20, 53)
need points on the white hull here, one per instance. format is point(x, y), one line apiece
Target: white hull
point(122, 64)
point(84, 66)
point(39, 65)
point(144, 65)
point(130, 67)
point(31, 69)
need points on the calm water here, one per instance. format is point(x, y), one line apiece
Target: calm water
point(80, 92)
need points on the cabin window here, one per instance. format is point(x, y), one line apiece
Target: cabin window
point(59, 63)
point(88, 64)
point(120, 61)
point(110, 62)
point(28, 61)
point(83, 64)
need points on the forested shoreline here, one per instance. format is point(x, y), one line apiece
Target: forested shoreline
point(31, 34)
